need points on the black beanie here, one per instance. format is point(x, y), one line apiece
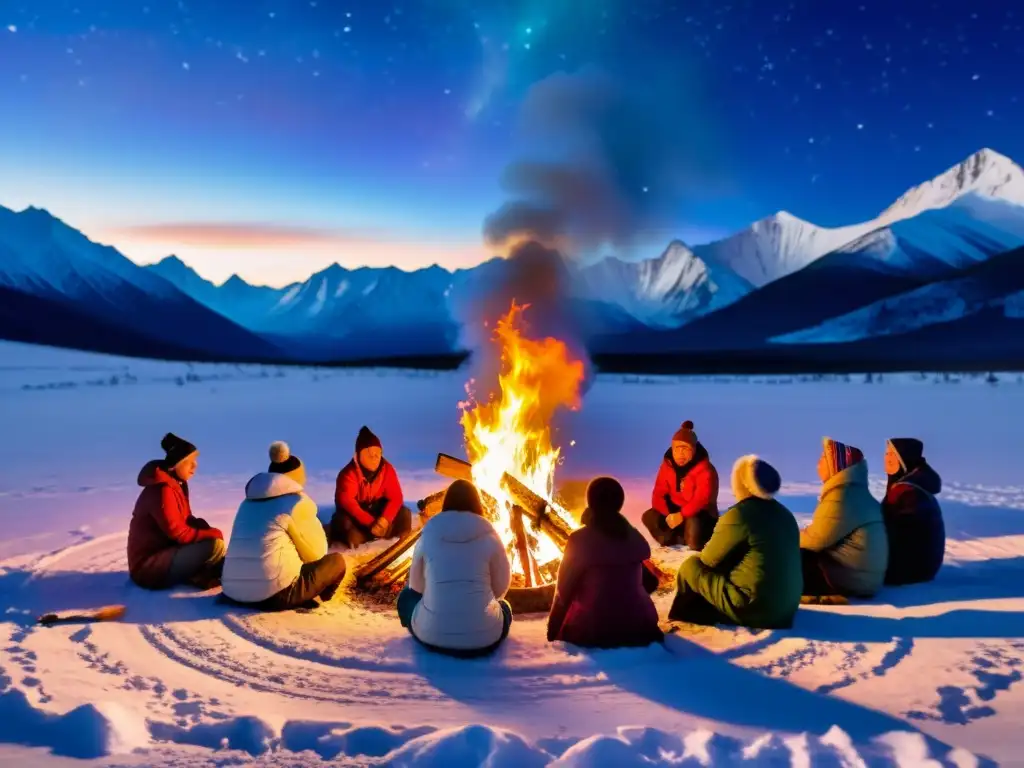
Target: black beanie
point(462, 496)
point(605, 494)
point(366, 439)
point(176, 448)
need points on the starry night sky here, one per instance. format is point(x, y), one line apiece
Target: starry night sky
point(272, 137)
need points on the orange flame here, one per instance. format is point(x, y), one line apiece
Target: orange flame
point(511, 432)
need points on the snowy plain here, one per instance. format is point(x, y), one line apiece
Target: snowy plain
point(925, 675)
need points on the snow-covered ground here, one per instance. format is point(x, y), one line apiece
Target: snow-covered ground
point(921, 672)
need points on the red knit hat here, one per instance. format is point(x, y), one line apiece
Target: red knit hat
point(685, 434)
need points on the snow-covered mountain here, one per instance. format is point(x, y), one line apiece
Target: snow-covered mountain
point(984, 285)
point(986, 173)
point(665, 291)
point(783, 244)
point(48, 265)
point(235, 299)
point(775, 247)
point(337, 302)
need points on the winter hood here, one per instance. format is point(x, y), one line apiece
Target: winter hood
point(924, 477)
point(154, 473)
point(455, 527)
point(752, 476)
point(855, 474)
point(270, 485)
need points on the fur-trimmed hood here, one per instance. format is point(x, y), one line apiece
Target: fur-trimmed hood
point(270, 485)
point(753, 476)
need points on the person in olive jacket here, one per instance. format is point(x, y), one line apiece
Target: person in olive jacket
point(749, 573)
point(845, 549)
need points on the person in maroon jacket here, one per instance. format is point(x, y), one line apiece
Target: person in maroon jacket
point(913, 518)
point(368, 498)
point(602, 599)
point(684, 503)
point(167, 544)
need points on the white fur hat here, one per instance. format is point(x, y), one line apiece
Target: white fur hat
point(753, 476)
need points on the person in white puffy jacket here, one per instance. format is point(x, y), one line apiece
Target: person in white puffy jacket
point(460, 572)
point(277, 557)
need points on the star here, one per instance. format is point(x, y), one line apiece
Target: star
point(975, 77)
point(185, 65)
point(12, 28)
point(860, 126)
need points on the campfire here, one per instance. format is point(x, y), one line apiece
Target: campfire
point(512, 462)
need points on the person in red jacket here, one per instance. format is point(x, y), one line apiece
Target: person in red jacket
point(684, 503)
point(368, 498)
point(601, 599)
point(167, 544)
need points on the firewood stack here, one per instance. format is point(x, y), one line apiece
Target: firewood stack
point(388, 571)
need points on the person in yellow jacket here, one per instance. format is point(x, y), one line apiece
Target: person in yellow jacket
point(277, 556)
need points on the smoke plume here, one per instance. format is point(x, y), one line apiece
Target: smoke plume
point(599, 165)
point(602, 164)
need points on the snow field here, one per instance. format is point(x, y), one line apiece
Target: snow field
point(926, 673)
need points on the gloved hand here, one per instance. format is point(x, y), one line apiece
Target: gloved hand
point(674, 520)
point(380, 528)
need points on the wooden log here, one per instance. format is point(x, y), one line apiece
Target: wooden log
point(398, 572)
point(456, 469)
point(430, 505)
point(526, 560)
point(537, 509)
point(369, 570)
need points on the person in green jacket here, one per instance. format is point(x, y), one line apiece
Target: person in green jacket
point(749, 572)
point(845, 549)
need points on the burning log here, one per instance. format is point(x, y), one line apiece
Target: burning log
point(531, 574)
point(534, 507)
point(537, 509)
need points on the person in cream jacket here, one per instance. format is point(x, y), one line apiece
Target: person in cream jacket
point(277, 556)
point(460, 573)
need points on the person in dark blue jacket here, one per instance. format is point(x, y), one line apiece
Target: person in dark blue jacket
point(913, 518)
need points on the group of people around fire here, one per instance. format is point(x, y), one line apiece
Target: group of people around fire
point(753, 565)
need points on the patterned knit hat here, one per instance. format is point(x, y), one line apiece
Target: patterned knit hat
point(685, 434)
point(839, 456)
